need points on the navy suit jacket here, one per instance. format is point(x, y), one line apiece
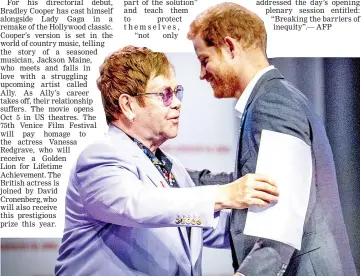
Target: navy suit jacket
point(276, 105)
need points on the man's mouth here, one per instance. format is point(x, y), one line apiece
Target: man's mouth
point(174, 118)
point(211, 80)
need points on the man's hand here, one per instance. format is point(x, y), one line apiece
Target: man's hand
point(251, 189)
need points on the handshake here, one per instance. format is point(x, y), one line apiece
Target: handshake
point(251, 189)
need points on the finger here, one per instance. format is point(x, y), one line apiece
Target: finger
point(251, 202)
point(265, 187)
point(265, 178)
point(258, 202)
point(264, 196)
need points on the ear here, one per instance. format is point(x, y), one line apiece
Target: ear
point(230, 44)
point(126, 106)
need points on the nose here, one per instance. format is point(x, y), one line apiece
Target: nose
point(203, 73)
point(176, 103)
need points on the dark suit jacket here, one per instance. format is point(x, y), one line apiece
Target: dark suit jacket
point(276, 105)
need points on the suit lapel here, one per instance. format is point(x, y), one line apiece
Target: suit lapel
point(194, 246)
point(120, 138)
point(150, 170)
point(269, 75)
point(183, 182)
point(239, 216)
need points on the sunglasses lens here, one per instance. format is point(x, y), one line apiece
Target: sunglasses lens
point(167, 96)
point(179, 92)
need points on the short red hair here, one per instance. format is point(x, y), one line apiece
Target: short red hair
point(127, 71)
point(229, 19)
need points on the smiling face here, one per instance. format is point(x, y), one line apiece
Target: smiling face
point(155, 121)
point(216, 68)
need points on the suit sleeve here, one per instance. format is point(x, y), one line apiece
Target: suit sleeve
point(280, 113)
point(111, 191)
point(218, 235)
point(206, 177)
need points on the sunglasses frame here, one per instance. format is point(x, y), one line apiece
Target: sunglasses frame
point(178, 92)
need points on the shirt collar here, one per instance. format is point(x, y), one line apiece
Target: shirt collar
point(159, 158)
point(242, 101)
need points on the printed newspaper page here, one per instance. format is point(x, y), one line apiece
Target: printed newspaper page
point(51, 108)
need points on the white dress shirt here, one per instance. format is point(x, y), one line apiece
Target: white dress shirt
point(242, 101)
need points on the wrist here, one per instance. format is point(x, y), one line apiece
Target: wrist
point(221, 198)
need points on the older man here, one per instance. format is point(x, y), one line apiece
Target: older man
point(230, 42)
point(124, 213)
